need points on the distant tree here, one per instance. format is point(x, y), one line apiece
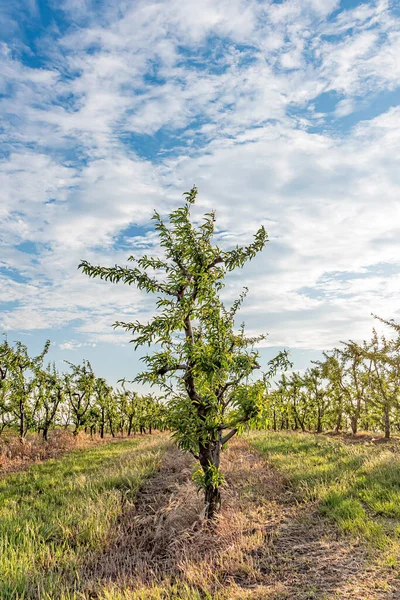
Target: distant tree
point(127, 403)
point(79, 387)
point(352, 375)
point(383, 356)
point(24, 388)
point(51, 395)
point(332, 369)
point(298, 404)
point(313, 382)
point(103, 400)
point(202, 362)
point(6, 357)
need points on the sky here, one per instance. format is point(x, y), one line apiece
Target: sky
point(282, 113)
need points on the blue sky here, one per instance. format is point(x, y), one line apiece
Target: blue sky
point(283, 113)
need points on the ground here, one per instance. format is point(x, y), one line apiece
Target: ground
point(282, 533)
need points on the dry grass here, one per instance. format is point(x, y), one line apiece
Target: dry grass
point(18, 456)
point(264, 545)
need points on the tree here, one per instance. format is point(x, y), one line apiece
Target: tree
point(202, 362)
point(79, 387)
point(6, 356)
point(24, 389)
point(127, 405)
point(291, 388)
point(333, 370)
point(103, 398)
point(352, 375)
point(51, 395)
point(383, 356)
point(317, 392)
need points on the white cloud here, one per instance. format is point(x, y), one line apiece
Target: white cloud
point(238, 77)
point(73, 345)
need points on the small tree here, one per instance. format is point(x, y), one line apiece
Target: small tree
point(349, 370)
point(6, 361)
point(383, 356)
point(51, 394)
point(79, 385)
point(318, 394)
point(127, 405)
point(202, 362)
point(24, 390)
point(103, 399)
point(291, 388)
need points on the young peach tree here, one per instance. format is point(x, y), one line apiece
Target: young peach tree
point(199, 358)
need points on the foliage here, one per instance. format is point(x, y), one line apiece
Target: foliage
point(199, 358)
point(34, 397)
point(355, 385)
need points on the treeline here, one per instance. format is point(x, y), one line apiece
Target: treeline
point(355, 387)
point(35, 397)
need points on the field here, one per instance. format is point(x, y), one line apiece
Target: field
point(304, 517)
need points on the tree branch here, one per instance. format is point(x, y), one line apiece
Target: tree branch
point(197, 457)
point(165, 369)
point(215, 262)
point(228, 436)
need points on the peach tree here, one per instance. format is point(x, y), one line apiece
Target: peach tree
point(199, 357)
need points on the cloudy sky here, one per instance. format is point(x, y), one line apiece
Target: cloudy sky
point(283, 113)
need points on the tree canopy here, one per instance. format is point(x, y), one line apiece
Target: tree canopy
point(200, 359)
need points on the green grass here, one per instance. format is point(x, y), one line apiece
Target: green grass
point(357, 486)
point(53, 513)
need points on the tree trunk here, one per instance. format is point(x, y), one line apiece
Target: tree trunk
point(210, 455)
point(338, 423)
point(103, 419)
point(353, 424)
point(21, 420)
point(386, 417)
point(299, 421)
point(319, 422)
point(212, 499)
point(77, 425)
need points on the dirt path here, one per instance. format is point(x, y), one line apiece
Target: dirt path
point(264, 546)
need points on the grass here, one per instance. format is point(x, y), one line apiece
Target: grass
point(164, 549)
point(54, 513)
point(75, 528)
point(357, 486)
point(264, 545)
